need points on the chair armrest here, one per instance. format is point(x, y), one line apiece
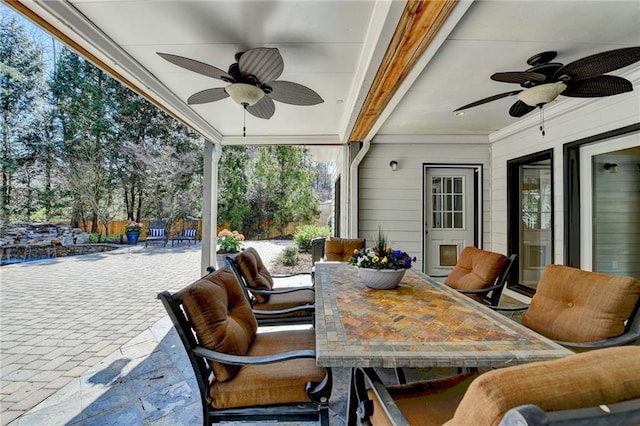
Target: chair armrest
point(627, 412)
point(510, 308)
point(480, 290)
point(365, 405)
point(280, 290)
point(252, 360)
point(289, 275)
point(310, 309)
point(623, 339)
point(438, 276)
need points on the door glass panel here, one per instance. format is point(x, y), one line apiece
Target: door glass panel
point(535, 220)
point(448, 199)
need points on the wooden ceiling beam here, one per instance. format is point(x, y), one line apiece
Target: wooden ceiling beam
point(418, 25)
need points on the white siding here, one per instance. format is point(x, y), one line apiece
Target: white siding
point(393, 201)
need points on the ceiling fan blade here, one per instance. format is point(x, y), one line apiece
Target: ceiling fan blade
point(489, 99)
point(598, 86)
point(263, 109)
point(197, 66)
point(600, 63)
point(517, 77)
point(264, 63)
point(293, 93)
point(208, 95)
point(519, 109)
point(548, 69)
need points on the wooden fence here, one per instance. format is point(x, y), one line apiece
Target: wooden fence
point(117, 227)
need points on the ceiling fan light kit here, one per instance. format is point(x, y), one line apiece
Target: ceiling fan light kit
point(244, 94)
point(543, 94)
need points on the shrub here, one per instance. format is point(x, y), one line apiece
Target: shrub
point(289, 256)
point(304, 234)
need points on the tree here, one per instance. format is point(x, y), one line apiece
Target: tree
point(22, 89)
point(233, 203)
point(83, 96)
point(281, 188)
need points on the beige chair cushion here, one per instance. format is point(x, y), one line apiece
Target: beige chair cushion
point(476, 269)
point(572, 305)
point(221, 317)
point(271, 383)
point(281, 301)
point(603, 376)
point(254, 272)
point(341, 249)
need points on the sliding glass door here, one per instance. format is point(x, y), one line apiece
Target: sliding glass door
point(530, 219)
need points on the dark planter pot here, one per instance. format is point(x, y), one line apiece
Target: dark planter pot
point(132, 237)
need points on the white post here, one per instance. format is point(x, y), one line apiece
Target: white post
point(211, 156)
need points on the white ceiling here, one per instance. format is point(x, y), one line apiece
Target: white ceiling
point(335, 47)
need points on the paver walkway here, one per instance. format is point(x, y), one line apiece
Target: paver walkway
point(60, 317)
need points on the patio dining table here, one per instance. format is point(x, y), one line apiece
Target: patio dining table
point(420, 323)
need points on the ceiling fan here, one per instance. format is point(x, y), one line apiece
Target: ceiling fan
point(546, 80)
point(253, 82)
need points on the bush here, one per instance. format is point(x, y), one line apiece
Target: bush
point(289, 256)
point(304, 234)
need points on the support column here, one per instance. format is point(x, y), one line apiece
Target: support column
point(211, 155)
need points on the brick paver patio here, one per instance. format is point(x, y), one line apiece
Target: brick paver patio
point(59, 317)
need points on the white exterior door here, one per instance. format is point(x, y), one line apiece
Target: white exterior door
point(450, 216)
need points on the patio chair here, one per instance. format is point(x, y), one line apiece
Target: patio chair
point(335, 249)
point(244, 375)
point(157, 233)
point(188, 233)
point(480, 274)
point(294, 304)
point(583, 310)
point(600, 379)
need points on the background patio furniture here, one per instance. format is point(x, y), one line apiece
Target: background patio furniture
point(157, 233)
point(188, 233)
point(295, 304)
point(335, 249)
point(242, 374)
point(480, 274)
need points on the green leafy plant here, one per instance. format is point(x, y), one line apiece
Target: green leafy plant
point(381, 256)
point(304, 234)
point(230, 241)
point(289, 256)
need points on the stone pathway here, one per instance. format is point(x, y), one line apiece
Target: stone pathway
point(64, 318)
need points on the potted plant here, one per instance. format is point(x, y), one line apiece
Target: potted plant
point(381, 266)
point(230, 241)
point(132, 230)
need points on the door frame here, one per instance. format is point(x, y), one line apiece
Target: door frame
point(477, 210)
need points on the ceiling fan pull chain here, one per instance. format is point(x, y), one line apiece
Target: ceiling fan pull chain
point(542, 120)
point(244, 122)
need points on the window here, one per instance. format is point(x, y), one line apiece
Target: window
point(448, 202)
